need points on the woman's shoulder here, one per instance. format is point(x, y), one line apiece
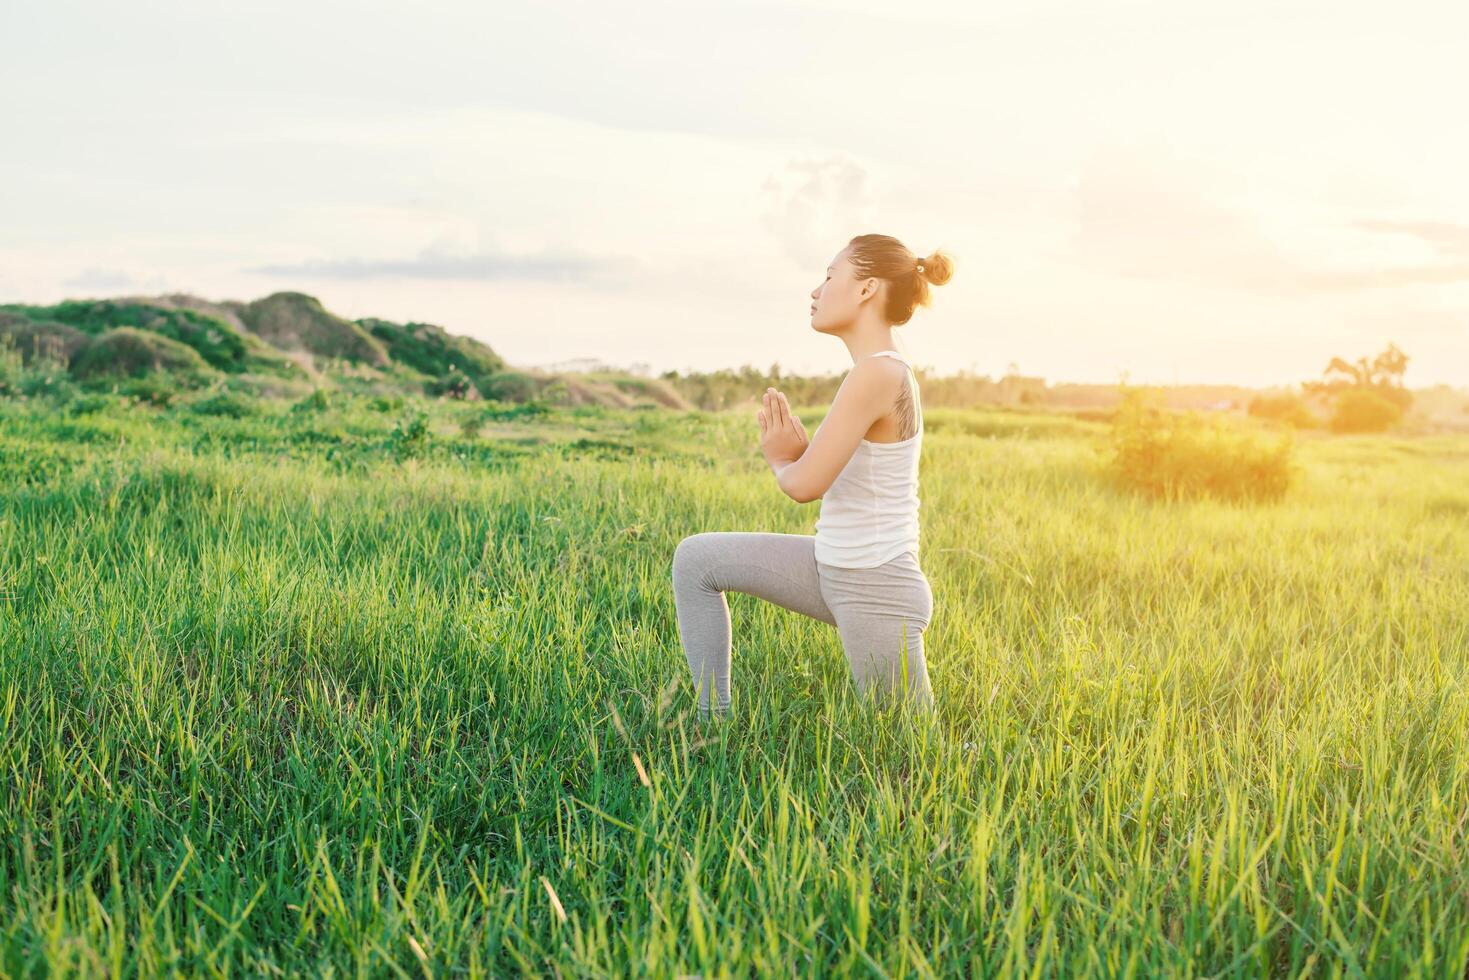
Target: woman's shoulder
point(881, 367)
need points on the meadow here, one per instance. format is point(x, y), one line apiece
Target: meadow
point(370, 687)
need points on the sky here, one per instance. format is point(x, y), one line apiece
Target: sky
point(1158, 190)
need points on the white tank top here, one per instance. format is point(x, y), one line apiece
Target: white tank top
point(870, 513)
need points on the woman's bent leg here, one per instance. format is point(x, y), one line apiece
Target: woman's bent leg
point(881, 614)
point(780, 568)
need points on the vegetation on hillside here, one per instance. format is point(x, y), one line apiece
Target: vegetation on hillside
point(283, 345)
point(40, 338)
point(129, 353)
point(219, 345)
point(435, 352)
point(297, 322)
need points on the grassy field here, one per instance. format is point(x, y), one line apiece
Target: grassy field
point(346, 690)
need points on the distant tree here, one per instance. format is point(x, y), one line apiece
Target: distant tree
point(1382, 375)
point(1364, 410)
point(1287, 408)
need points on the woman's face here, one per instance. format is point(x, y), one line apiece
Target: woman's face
point(835, 302)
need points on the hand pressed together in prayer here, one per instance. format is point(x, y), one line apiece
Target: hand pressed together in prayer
point(782, 436)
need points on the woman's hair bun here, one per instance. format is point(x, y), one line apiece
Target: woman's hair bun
point(937, 268)
point(908, 277)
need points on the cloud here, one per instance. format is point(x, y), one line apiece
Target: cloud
point(1139, 219)
point(1425, 275)
point(814, 206)
point(436, 263)
point(1442, 235)
point(95, 278)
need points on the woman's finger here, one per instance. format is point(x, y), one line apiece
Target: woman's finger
point(779, 405)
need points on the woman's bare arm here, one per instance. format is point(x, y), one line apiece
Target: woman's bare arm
point(867, 394)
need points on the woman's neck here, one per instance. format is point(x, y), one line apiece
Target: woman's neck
point(865, 343)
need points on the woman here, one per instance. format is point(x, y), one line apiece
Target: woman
point(859, 572)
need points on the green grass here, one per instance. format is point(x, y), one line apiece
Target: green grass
point(275, 699)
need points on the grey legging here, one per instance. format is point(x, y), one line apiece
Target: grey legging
point(880, 612)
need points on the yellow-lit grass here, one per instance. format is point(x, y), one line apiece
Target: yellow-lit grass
point(273, 698)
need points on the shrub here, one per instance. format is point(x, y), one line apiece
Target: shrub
point(508, 386)
point(158, 390)
point(88, 404)
point(504, 412)
point(317, 401)
point(41, 375)
point(1364, 410)
point(410, 435)
point(226, 404)
point(42, 339)
point(1289, 409)
point(54, 384)
point(386, 403)
point(130, 352)
point(11, 366)
point(452, 385)
point(1177, 455)
point(471, 423)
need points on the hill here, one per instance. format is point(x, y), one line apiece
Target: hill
point(435, 353)
point(297, 322)
point(40, 338)
point(222, 344)
point(287, 343)
point(129, 352)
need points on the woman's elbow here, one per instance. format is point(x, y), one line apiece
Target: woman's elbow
point(801, 494)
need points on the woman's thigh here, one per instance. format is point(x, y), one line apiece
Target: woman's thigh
point(780, 568)
point(881, 614)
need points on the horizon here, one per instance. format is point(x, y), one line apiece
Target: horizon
point(1118, 197)
point(646, 369)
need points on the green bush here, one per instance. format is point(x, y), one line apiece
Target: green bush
point(1177, 455)
point(410, 435)
point(54, 384)
point(510, 411)
point(1289, 409)
point(11, 366)
point(40, 376)
point(471, 423)
point(225, 404)
point(41, 339)
point(508, 386)
point(453, 385)
point(157, 390)
point(89, 404)
point(128, 352)
point(1365, 410)
point(317, 401)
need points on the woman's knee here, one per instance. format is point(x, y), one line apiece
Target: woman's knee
point(690, 555)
